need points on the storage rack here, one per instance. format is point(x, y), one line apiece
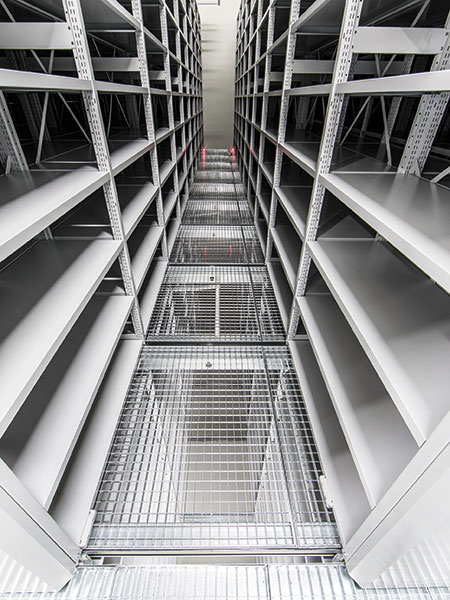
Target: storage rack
point(341, 132)
point(100, 128)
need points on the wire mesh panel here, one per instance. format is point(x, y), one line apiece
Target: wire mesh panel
point(224, 582)
point(216, 303)
point(214, 190)
point(215, 152)
point(208, 176)
point(211, 212)
point(217, 165)
point(196, 462)
point(220, 245)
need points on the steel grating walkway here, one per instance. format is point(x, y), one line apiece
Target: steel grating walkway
point(230, 582)
point(217, 245)
point(214, 451)
point(208, 454)
point(216, 303)
point(213, 212)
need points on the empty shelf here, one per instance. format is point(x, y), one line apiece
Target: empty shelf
point(412, 213)
point(44, 294)
point(295, 201)
point(137, 199)
point(342, 477)
point(142, 257)
point(169, 204)
point(282, 290)
point(165, 170)
point(366, 412)
point(289, 249)
point(127, 153)
point(304, 153)
point(400, 318)
point(31, 202)
point(150, 288)
point(71, 506)
point(65, 393)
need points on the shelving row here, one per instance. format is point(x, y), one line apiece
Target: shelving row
point(100, 131)
point(341, 129)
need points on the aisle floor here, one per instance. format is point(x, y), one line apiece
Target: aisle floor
point(214, 451)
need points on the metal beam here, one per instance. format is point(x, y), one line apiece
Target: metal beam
point(37, 36)
point(413, 84)
point(399, 40)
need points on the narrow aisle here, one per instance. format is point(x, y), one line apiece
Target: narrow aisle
point(214, 450)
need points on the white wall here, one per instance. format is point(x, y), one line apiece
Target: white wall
point(218, 53)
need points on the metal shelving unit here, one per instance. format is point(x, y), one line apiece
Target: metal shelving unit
point(100, 131)
point(341, 129)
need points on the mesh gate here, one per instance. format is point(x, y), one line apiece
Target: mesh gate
point(198, 459)
point(216, 304)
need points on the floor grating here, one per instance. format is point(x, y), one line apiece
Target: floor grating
point(225, 582)
point(217, 245)
point(212, 212)
point(210, 176)
point(223, 191)
point(216, 304)
point(199, 457)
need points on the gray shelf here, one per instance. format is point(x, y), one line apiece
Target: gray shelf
point(91, 176)
point(342, 477)
point(356, 177)
point(365, 410)
point(57, 407)
point(71, 506)
point(394, 205)
point(31, 202)
point(43, 292)
point(400, 318)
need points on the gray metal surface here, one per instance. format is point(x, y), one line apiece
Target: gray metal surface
point(213, 451)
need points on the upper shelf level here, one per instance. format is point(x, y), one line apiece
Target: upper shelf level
point(410, 212)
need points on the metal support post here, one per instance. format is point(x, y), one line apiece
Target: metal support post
point(341, 73)
point(428, 117)
point(74, 17)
